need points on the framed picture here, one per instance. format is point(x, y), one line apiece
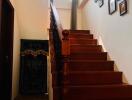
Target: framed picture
point(95, 1)
point(123, 7)
point(101, 3)
point(112, 6)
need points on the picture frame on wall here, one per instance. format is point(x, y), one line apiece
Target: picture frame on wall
point(123, 7)
point(95, 1)
point(112, 6)
point(100, 3)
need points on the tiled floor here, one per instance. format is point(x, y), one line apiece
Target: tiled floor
point(32, 97)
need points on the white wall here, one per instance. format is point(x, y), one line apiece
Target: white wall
point(115, 32)
point(65, 4)
point(16, 58)
point(33, 18)
point(79, 2)
point(65, 17)
point(79, 19)
point(64, 10)
point(31, 22)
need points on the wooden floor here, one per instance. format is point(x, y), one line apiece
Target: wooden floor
point(32, 97)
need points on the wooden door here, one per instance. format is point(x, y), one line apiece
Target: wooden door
point(6, 49)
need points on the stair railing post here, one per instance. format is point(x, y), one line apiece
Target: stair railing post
point(66, 58)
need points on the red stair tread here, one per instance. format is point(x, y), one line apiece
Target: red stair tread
point(93, 65)
point(80, 31)
point(91, 61)
point(85, 48)
point(93, 68)
point(89, 56)
point(79, 35)
point(94, 77)
point(99, 92)
point(83, 41)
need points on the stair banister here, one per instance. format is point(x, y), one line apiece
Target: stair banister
point(63, 34)
point(57, 20)
point(59, 51)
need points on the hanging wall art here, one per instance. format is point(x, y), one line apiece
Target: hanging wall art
point(123, 7)
point(112, 6)
point(95, 1)
point(100, 3)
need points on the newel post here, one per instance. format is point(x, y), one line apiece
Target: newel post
point(65, 43)
point(65, 55)
point(65, 50)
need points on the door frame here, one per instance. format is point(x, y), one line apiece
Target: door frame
point(6, 8)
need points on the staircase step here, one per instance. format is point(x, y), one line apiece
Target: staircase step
point(79, 35)
point(80, 31)
point(85, 48)
point(86, 65)
point(94, 78)
point(89, 56)
point(89, 76)
point(83, 41)
point(99, 92)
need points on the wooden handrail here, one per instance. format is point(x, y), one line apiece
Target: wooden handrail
point(57, 20)
point(63, 34)
point(59, 53)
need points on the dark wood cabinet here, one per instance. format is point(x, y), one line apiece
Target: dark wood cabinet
point(33, 72)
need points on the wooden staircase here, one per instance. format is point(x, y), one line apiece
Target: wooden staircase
point(89, 74)
point(80, 68)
